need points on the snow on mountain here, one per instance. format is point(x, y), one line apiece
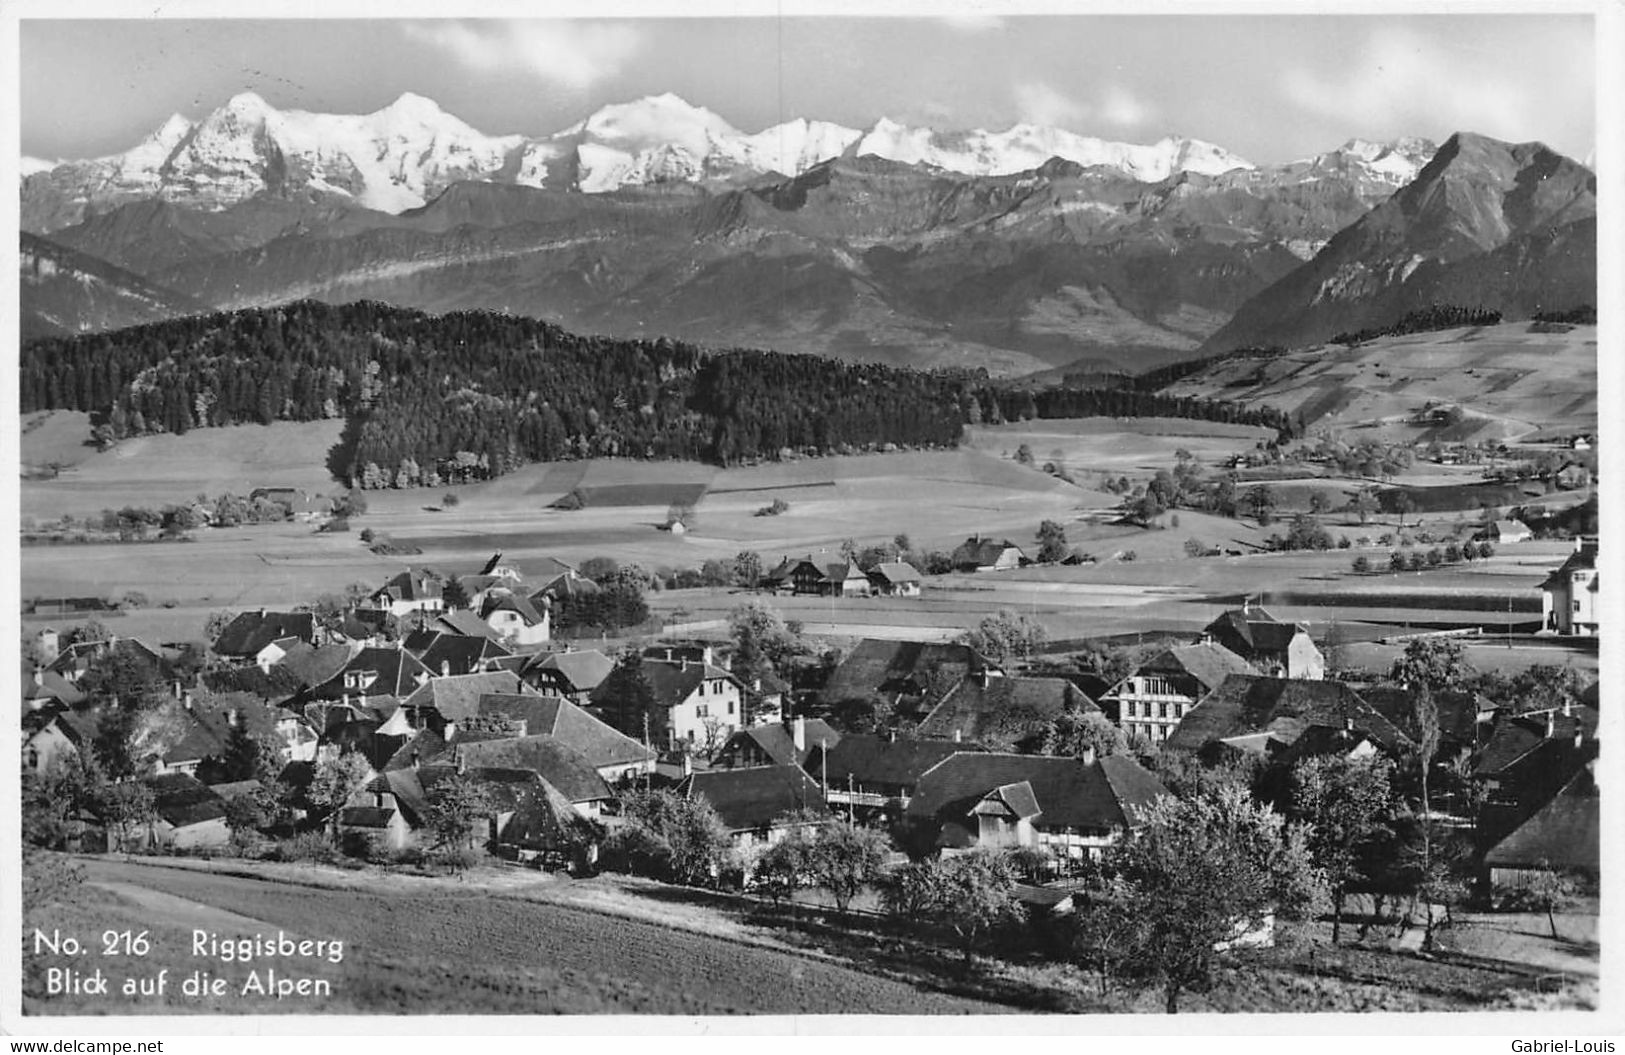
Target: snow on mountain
point(401, 156)
point(1025, 146)
point(29, 166)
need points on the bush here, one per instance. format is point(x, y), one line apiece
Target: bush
point(1362, 565)
point(779, 506)
point(451, 500)
point(310, 847)
point(1129, 554)
point(1343, 542)
point(336, 526)
point(576, 499)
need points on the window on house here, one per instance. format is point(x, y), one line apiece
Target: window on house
point(1162, 710)
point(730, 707)
point(1128, 708)
point(703, 710)
point(33, 758)
point(1576, 606)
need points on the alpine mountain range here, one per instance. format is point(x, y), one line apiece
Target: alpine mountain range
point(1018, 252)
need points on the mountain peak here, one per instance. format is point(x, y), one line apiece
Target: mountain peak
point(247, 104)
point(411, 104)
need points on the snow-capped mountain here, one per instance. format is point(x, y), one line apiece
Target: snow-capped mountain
point(1024, 146)
point(401, 156)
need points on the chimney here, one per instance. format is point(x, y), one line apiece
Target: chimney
point(1551, 724)
point(956, 736)
point(262, 613)
point(1348, 725)
point(1088, 756)
point(39, 676)
point(1568, 708)
point(1246, 605)
point(232, 716)
point(891, 736)
point(177, 689)
point(186, 700)
point(1579, 737)
point(445, 668)
point(798, 734)
point(688, 764)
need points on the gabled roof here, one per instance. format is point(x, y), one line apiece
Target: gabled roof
point(457, 698)
point(208, 728)
point(581, 670)
point(755, 797)
point(1582, 559)
point(1013, 800)
point(1458, 711)
point(1000, 708)
point(1252, 632)
point(1565, 833)
point(397, 671)
point(887, 667)
point(554, 760)
point(1208, 662)
point(250, 632)
point(311, 666)
point(50, 686)
point(463, 622)
point(543, 818)
point(557, 717)
point(871, 760)
point(410, 586)
point(843, 571)
point(567, 585)
point(1511, 527)
point(777, 740)
point(1067, 792)
point(673, 683)
point(407, 787)
point(1513, 737)
point(982, 551)
point(458, 653)
point(895, 572)
point(79, 727)
point(508, 601)
point(184, 800)
point(1245, 704)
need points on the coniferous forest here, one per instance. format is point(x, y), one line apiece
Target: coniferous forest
point(471, 395)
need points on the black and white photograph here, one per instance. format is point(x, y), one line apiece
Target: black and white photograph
point(831, 515)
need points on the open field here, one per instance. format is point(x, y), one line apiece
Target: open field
point(162, 469)
point(1117, 445)
point(1511, 383)
point(449, 948)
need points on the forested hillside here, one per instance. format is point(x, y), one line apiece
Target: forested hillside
point(471, 395)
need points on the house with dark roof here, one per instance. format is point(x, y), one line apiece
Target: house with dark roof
point(446, 704)
point(555, 761)
point(74, 660)
point(1073, 807)
point(53, 734)
point(775, 744)
point(446, 654)
point(1570, 601)
point(1526, 758)
point(895, 579)
point(512, 615)
point(759, 805)
point(1275, 649)
point(567, 585)
point(206, 732)
point(409, 591)
point(1261, 715)
point(844, 579)
point(1564, 835)
point(573, 673)
point(904, 671)
point(984, 554)
point(1464, 717)
point(703, 704)
point(875, 775)
point(188, 814)
point(613, 754)
point(1572, 476)
point(1151, 701)
point(248, 634)
point(42, 686)
point(387, 810)
point(375, 671)
point(1003, 713)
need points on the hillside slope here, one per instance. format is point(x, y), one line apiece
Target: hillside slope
point(1485, 224)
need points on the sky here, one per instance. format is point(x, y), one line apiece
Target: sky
point(1269, 87)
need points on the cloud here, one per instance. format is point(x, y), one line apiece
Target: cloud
point(973, 23)
point(1402, 81)
point(574, 54)
point(1039, 104)
point(1122, 108)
